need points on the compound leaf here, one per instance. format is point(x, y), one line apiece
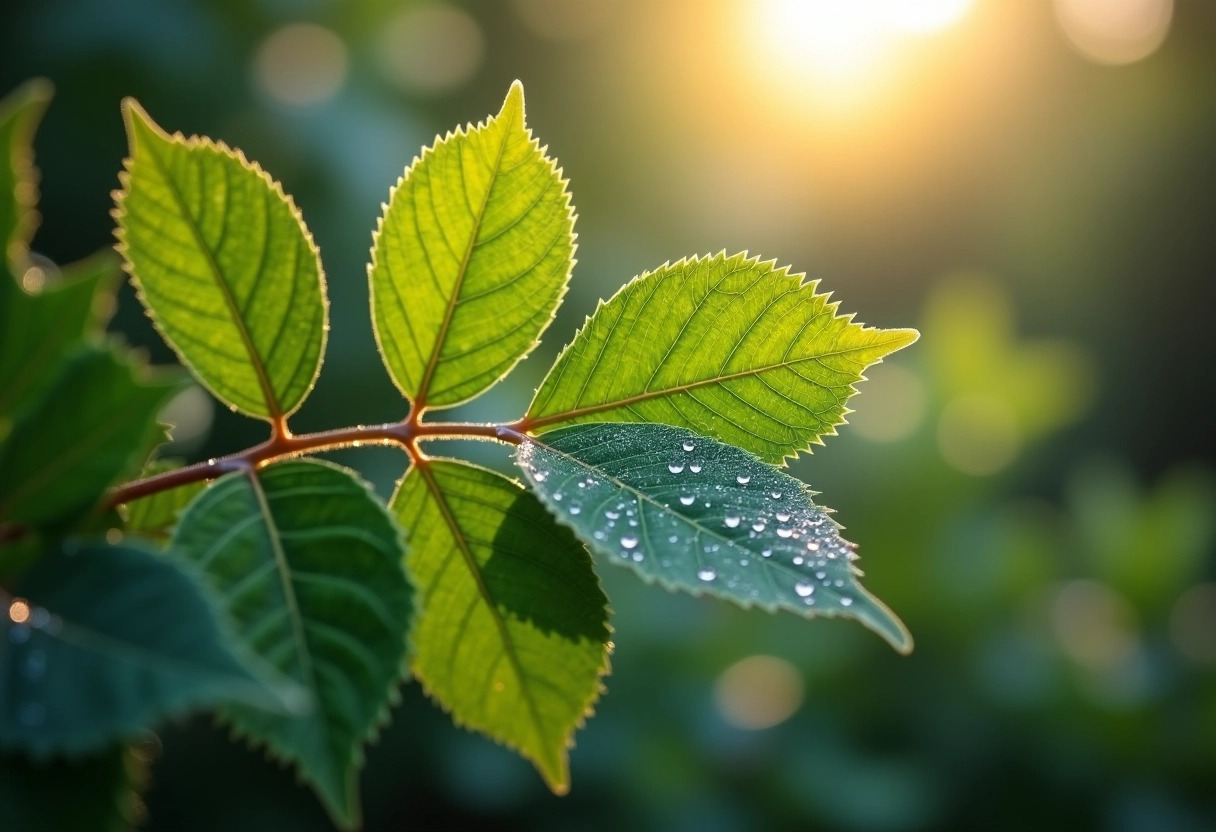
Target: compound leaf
point(90, 426)
point(471, 259)
point(105, 640)
point(309, 564)
point(703, 517)
point(513, 638)
point(729, 347)
point(220, 257)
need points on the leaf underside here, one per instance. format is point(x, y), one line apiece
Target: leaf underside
point(220, 257)
point(728, 347)
point(471, 259)
point(309, 565)
point(115, 638)
point(703, 517)
point(513, 638)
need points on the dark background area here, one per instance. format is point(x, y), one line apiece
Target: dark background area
point(1032, 184)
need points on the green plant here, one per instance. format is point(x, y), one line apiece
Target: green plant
point(288, 598)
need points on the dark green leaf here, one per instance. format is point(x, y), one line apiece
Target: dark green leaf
point(703, 517)
point(221, 258)
point(471, 259)
point(728, 347)
point(103, 642)
point(104, 788)
point(513, 637)
point(92, 425)
point(309, 565)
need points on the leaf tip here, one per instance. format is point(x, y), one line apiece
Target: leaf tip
point(512, 111)
point(138, 123)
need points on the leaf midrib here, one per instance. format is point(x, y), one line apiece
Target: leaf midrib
point(428, 373)
point(474, 570)
point(255, 359)
point(577, 412)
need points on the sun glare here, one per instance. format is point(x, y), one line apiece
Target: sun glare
point(839, 48)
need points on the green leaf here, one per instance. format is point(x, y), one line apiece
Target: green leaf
point(513, 638)
point(729, 347)
point(37, 332)
point(221, 258)
point(471, 259)
point(104, 641)
point(20, 112)
point(702, 517)
point(309, 564)
point(155, 515)
point(104, 786)
point(92, 425)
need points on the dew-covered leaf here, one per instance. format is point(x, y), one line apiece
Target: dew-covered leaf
point(513, 637)
point(471, 259)
point(103, 641)
point(729, 347)
point(700, 516)
point(92, 425)
point(220, 257)
point(309, 565)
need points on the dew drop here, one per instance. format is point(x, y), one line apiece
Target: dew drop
point(743, 479)
point(688, 446)
point(638, 557)
point(783, 532)
point(575, 509)
point(598, 534)
point(743, 561)
point(803, 590)
point(558, 496)
point(797, 560)
point(766, 553)
point(813, 545)
point(612, 515)
point(731, 521)
point(675, 538)
point(687, 499)
point(629, 541)
point(846, 601)
point(776, 495)
point(782, 517)
point(675, 467)
point(821, 574)
point(540, 476)
point(758, 526)
point(707, 574)
point(211, 461)
point(695, 468)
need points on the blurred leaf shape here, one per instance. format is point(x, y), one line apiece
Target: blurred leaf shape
point(513, 638)
point(222, 260)
point(470, 259)
point(105, 791)
point(20, 112)
point(155, 516)
point(308, 564)
point(105, 640)
point(703, 517)
point(729, 347)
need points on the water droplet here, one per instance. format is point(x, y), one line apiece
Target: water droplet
point(776, 495)
point(598, 534)
point(695, 468)
point(32, 713)
point(782, 517)
point(687, 499)
point(803, 590)
point(846, 601)
point(813, 545)
point(575, 509)
point(19, 634)
point(612, 515)
point(758, 526)
point(821, 574)
point(675, 468)
point(582, 484)
point(797, 560)
point(707, 574)
point(743, 479)
point(688, 446)
point(766, 553)
point(638, 557)
point(629, 541)
point(783, 532)
point(743, 561)
point(211, 461)
point(633, 522)
point(731, 521)
point(539, 476)
point(558, 496)
point(675, 538)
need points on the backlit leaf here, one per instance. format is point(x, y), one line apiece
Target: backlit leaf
point(729, 347)
point(20, 112)
point(155, 515)
point(703, 517)
point(513, 638)
point(221, 258)
point(309, 565)
point(103, 641)
point(471, 259)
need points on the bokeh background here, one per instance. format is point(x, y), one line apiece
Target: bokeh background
point(1032, 183)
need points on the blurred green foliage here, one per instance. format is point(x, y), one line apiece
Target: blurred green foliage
point(1032, 485)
